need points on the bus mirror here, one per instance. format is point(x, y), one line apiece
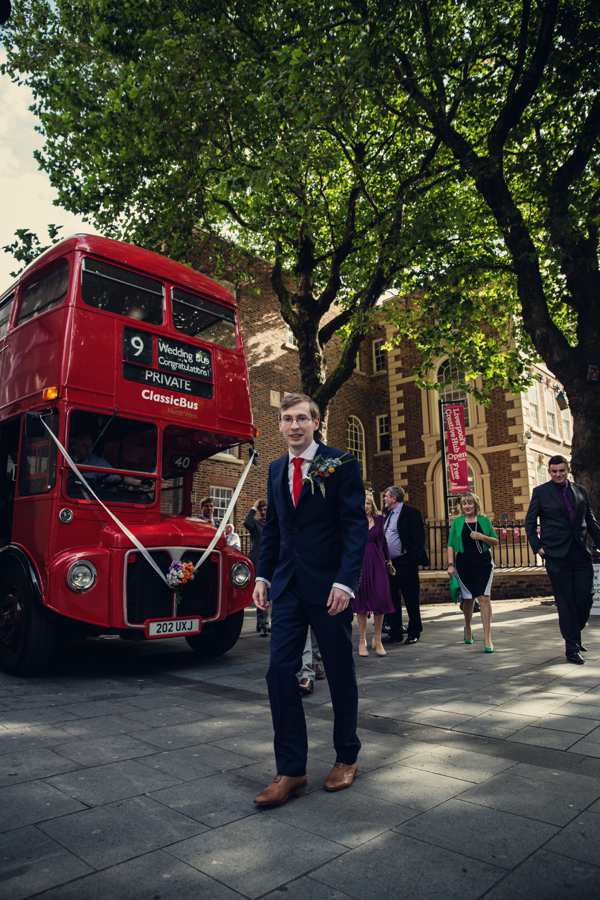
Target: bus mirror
point(34, 427)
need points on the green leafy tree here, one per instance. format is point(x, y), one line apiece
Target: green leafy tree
point(235, 117)
point(28, 245)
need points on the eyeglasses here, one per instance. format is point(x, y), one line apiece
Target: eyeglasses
point(301, 420)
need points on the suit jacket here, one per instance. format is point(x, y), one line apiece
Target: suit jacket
point(557, 530)
point(254, 524)
point(412, 534)
point(322, 540)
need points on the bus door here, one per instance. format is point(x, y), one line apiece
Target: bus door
point(9, 450)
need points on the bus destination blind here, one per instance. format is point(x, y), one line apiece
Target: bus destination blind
point(163, 363)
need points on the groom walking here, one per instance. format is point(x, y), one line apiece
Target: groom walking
point(311, 555)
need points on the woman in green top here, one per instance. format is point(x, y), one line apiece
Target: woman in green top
point(469, 558)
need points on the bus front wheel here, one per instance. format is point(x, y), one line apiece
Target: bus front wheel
point(218, 637)
point(27, 630)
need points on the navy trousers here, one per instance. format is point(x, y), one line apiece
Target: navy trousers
point(405, 584)
point(572, 579)
point(291, 615)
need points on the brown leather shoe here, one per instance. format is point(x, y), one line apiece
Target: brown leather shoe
point(340, 777)
point(280, 789)
point(306, 686)
point(320, 671)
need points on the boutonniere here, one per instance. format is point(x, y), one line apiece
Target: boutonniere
point(321, 467)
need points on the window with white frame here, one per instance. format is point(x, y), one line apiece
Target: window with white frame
point(231, 451)
point(550, 400)
point(451, 376)
point(221, 497)
point(290, 339)
point(383, 434)
point(542, 474)
point(567, 425)
point(533, 395)
point(355, 441)
point(379, 356)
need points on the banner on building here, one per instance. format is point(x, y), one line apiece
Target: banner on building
point(458, 475)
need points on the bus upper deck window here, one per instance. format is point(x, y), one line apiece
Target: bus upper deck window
point(122, 292)
point(45, 293)
point(204, 319)
point(5, 311)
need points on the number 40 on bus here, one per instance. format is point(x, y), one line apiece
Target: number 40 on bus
point(136, 365)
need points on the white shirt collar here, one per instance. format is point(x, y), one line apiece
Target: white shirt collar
point(308, 454)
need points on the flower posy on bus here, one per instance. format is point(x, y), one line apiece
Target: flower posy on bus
point(135, 365)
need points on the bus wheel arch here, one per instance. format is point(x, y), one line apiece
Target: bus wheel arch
point(218, 637)
point(27, 629)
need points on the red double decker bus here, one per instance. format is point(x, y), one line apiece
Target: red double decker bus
point(136, 365)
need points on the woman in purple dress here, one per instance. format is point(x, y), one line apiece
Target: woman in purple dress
point(373, 595)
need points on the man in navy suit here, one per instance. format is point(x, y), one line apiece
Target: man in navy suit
point(311, 556)
point(565, 517)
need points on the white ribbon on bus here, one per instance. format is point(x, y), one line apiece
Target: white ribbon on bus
point(132, 536)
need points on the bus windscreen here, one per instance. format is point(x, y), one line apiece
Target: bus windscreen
point(121, 291)
point(201, 318)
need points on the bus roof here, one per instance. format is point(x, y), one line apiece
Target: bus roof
point(135, 257)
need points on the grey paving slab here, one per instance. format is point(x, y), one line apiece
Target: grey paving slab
point(558, 722)
point(190, 733)
point(154, 876)
point(105, 784)
point(410, 787)
point(15, 719)
point(345, 817)
point(580, 839)
point(161, 715)
point(32, 862)
point(215, 800)
point(189, 763)
point(495, 724)
point(588, 748)
point(257, 854)
point(457, 763)
point(394, 865)
point(96, 708)
point(27, 765)
point(551, 877)
point(493, 836)
point(543, 737)
point(305, 888)
point(376, 750)
point(100, 726)
point(110, 834)
point(534, 703)
point(96, 751)
point(31, 802)
point(533, 797)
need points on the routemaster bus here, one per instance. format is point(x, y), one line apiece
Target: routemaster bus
point(134, 365)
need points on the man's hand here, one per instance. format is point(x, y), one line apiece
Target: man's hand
point(260, 595)
point(541, 551)
point(337, 601)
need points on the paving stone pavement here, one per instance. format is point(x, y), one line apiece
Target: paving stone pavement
point(128, 772)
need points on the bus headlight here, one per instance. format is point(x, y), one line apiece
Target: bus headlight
point(82, 576)
point(240, 574)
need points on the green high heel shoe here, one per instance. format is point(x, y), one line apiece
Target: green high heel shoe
point(488, 649)
point(465, 638)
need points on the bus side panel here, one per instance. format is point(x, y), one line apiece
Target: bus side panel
point(32, 522)
point(91, 364)
point(33, 357)
point(233, 391)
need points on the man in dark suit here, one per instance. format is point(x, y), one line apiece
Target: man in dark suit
point(311, 555)
point(565, 517)
point(255, 527)
point(405, 535)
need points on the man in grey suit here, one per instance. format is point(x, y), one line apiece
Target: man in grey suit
point(565, 517)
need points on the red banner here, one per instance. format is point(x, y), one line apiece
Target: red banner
point(458, 475)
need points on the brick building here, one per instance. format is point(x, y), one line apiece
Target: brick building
point(380, 413)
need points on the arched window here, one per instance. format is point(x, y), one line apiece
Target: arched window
point(450, 375)
point(355, 442)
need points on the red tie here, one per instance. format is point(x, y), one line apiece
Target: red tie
point(297, 481)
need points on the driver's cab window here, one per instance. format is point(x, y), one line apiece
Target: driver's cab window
point(110, 451)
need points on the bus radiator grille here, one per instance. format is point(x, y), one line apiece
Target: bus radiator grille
point(148, 597)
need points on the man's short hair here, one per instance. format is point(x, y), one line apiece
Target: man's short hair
point(396, 492)
point(207, 500)
point(293, 399)
point(558, 460)
point(261, 504)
